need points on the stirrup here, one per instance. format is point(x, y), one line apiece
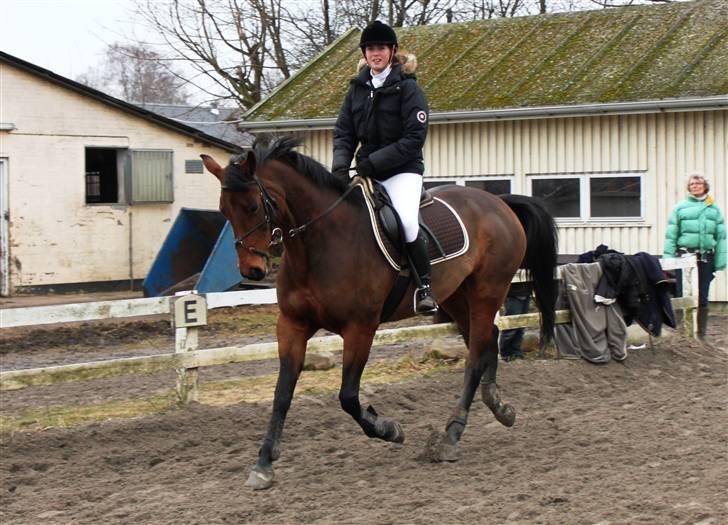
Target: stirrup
point(423, 300)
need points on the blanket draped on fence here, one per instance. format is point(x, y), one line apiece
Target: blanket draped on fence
point(597, 331)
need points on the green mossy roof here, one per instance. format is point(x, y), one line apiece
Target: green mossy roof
point(614, 55)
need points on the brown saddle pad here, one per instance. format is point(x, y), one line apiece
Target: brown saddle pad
point(441, 219)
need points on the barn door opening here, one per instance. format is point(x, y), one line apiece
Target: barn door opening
point(4, 230)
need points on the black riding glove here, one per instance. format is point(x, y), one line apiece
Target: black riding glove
point(365, 168)
point(341, 173)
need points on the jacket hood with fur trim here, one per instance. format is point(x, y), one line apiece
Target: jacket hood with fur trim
point(407, 61)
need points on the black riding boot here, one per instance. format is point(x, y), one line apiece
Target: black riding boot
point(702, 321)
point(417, 249)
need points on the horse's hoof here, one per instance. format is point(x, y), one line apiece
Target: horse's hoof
point(394, 433)
point(505, 414)
point(260, 479)
point(389, 430)
point(448, 451)
point(438, 448)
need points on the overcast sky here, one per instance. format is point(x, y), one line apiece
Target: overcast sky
point(65, 36)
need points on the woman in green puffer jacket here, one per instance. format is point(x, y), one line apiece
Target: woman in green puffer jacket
point(696, 225)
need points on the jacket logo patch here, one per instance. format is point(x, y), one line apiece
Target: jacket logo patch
point(422, 116)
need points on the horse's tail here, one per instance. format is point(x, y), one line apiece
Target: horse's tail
point(541, 254)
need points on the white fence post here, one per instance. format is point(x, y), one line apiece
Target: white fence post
point(190, 312)
point(690, 289)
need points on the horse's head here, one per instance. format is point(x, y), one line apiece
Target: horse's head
point(246, 203)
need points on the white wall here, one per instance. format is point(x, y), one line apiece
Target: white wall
point(663, 147)
point(55, 237)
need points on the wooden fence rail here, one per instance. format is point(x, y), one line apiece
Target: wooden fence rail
point(188, 358)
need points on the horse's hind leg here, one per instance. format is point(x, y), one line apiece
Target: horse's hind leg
point(357, 343)
point(292, 339)
point(503, 412)
point(483, 347)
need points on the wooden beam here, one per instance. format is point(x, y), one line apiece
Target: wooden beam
point(66, 313)
point(18, 379)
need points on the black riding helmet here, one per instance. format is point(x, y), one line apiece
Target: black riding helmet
point(377, 33)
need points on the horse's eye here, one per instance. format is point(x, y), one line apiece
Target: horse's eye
point(254, 208)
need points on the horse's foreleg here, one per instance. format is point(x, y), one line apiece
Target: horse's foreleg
point(357, 343)
point(292, 339)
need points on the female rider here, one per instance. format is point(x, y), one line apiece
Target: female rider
point(385, 115)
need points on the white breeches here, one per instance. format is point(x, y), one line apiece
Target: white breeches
point(404, 190)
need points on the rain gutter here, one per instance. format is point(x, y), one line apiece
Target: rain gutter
point(576, 110)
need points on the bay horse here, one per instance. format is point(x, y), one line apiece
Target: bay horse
point(332, 276)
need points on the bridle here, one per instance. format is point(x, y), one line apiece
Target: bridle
point(269, 207)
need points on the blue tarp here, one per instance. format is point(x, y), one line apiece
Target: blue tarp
point(199, 250)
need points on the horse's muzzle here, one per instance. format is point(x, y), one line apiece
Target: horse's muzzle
point(254, 274)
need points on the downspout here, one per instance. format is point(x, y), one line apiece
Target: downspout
point(131, 251)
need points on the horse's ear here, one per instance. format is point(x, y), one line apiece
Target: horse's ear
point(212, 166)
point(250, 163)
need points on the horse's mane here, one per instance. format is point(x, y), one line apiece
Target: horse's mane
point(283, 150)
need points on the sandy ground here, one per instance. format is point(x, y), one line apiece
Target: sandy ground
point(642, 441)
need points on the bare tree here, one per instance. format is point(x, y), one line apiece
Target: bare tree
point(235, 48)
point(135, 73)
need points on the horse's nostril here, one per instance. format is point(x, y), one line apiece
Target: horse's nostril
point(255, 274)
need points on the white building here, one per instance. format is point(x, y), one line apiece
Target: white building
point(601, 113)
point(89, 184)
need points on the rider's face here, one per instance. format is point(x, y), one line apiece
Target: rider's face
point(378, 57)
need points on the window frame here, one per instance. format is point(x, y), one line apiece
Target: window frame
point(585, 194)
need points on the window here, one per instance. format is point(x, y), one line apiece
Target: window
point(102, 175)
point(497, 186)
point(561, 196)
point(590, 196)
point(119, 175)
point(429, 184)
point(615, 196)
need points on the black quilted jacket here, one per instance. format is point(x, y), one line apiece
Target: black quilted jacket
point(388, 123)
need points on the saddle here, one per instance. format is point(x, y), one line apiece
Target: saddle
point(446, 235)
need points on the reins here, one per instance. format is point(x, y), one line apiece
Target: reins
point(270, 206)
point(295, 231)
